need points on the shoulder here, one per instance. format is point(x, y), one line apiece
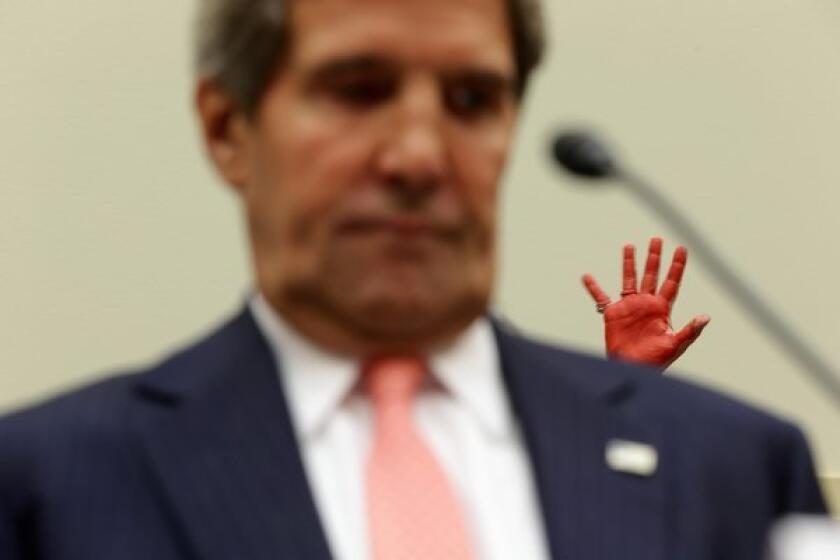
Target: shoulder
point(97, 418)
point(719, 442)
point(645, 393)
point(98, 404)
point(182, 368)
point(52, 439)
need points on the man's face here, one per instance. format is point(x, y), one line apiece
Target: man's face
point(372, 167)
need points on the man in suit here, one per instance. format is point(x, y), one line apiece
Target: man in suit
point(364, 404)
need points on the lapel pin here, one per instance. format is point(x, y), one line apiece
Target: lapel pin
point(632, 457)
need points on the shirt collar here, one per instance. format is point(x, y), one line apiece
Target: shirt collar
point(470, 370)
point(316, 381)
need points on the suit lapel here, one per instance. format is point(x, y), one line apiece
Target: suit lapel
point(216, 431)
point(569, 411)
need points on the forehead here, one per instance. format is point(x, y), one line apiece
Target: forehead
point(433, 32)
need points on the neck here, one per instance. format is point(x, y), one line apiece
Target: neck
point(362, 339)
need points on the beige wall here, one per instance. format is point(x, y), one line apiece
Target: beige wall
point(117, 243)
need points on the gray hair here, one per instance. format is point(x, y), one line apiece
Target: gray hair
point(240, 43)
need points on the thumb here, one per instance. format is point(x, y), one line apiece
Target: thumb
point(689, 333)
point(686, 337)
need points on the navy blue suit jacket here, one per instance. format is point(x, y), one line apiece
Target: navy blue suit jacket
point(196, 459)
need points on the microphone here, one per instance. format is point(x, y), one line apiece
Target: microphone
point(583, 155)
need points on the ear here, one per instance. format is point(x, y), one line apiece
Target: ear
point(225, 131)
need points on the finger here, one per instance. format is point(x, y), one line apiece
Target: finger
point(671, 286)
point(600, 297)
point(629, 284)
point(690, 332)
point(651, 277)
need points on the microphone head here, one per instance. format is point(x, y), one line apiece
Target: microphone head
point(582, 154)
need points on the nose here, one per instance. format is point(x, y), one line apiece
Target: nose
point(413, 159)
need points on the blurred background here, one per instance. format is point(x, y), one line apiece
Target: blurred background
point(118, 244)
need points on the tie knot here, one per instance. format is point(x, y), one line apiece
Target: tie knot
point(394, 379)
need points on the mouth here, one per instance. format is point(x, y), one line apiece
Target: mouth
point(401, 226)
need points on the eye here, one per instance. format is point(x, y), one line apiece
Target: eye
point(363, 91)
point(472, 99)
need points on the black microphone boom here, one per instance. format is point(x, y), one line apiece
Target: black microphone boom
point(583, 155)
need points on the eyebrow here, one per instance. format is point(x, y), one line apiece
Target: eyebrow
point(486, 78)
point(348, 66)
point(352, 65)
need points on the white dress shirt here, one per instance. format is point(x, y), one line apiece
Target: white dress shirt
point(463, 414)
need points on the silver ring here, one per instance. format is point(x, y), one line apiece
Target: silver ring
point(601, 307)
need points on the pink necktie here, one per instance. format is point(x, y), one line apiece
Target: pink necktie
point(412, 511)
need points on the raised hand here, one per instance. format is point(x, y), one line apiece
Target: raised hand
point(638, 326)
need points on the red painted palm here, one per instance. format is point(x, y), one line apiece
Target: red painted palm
point(637, 327)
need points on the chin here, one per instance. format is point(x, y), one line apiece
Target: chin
point(403, 304)
point(402, 314)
